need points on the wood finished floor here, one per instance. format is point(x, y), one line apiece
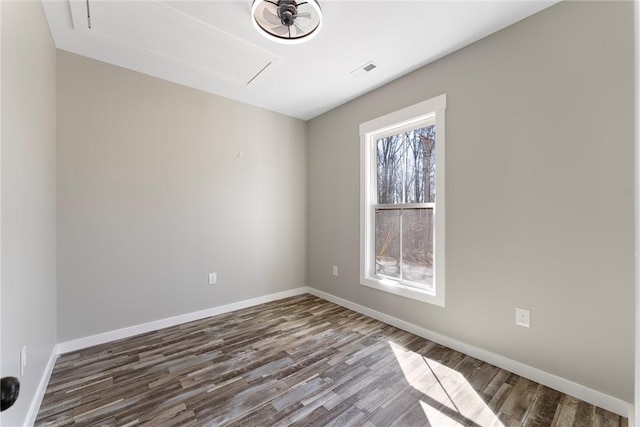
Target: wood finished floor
point(298, 361)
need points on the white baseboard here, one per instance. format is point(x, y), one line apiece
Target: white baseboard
point(594, 397)
point(42, 387)
point(80, 343)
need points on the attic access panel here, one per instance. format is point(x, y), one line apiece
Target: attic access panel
point(155, 27)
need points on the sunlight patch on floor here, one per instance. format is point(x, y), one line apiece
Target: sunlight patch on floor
point(449, 400)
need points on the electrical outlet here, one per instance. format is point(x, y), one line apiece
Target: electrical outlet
point(23, 359)
point(213, 278)
point(523, 317)
point(335, 270)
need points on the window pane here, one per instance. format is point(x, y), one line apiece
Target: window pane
point(389, 169)
point(388, 242)
point(417, 246)
point(406, 167)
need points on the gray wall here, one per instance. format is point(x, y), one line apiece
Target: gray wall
point(539, 183)
point(28, 198)
point(152, 197)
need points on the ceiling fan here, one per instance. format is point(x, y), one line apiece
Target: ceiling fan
point(287, 21)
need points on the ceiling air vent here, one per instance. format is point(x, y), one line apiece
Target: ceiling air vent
point(364, 69)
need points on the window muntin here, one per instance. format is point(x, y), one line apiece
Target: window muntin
point(402, 231)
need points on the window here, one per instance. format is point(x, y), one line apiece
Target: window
point(402, 202)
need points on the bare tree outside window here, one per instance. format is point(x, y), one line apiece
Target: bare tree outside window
point(404, 211)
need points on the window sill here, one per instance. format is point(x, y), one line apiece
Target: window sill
point(392, 287)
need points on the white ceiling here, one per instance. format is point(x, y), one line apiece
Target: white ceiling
point(213, 46)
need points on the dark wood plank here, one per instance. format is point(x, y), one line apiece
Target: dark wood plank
point(298, 361)
point(544, 409)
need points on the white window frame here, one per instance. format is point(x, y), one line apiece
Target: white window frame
point(416, 116)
